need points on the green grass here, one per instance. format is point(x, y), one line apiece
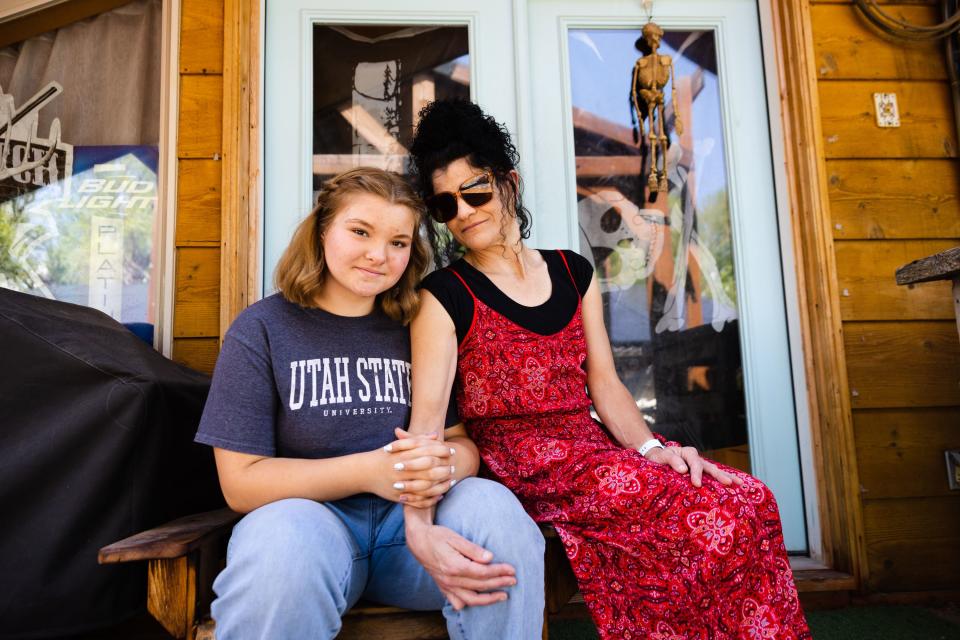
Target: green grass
point(852, 623)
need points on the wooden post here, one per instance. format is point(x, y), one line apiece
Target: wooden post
point(835, 460)
point(171, 593)
point(240, 189)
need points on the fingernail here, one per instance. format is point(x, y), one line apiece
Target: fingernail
point(487, 555)
point(398, 486)
point(453, 482)
point(388, 448)
point(398, 466)
point(683, 467)
point(403, 498)
point(452, 451)
point(453, 469)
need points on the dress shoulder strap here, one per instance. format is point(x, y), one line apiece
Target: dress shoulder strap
point(460, 278)
point(569, 272)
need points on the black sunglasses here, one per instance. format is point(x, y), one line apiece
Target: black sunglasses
point(476, 192)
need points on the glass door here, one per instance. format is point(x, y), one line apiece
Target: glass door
point(345, 80)
point(691, 273)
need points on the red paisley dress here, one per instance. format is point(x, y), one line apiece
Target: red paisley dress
point(655, 557)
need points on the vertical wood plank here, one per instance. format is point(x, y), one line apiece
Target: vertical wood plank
point(241, 173)
point(200, 354)
point(198, 201)
point(201, 37)
point(201, 116)
point(197, 295)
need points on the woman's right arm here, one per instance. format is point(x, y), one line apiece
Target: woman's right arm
point(462, 569)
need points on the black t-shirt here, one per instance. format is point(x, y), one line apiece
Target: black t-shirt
point(545, 319)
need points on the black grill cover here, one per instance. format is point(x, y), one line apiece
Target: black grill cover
point(96, 444)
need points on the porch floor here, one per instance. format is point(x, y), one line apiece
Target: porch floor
point(877, 622)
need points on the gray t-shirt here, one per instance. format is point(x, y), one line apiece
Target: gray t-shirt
point(304, 383)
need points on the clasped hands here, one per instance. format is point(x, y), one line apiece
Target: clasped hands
point(415, 470)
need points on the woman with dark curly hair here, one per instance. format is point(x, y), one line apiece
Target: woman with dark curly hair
point(664, 544)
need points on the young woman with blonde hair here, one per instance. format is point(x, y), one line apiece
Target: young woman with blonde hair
point(308, 395)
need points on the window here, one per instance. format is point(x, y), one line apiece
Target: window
point(80, 114)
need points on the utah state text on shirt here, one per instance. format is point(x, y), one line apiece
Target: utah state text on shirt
point(335, 380)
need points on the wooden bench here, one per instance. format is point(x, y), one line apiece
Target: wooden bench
point(184, 556)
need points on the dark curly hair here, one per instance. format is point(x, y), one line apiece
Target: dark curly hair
point(454, 129)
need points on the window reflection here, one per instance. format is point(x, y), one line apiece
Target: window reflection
point(369, 85)
point(78, 163)
point(664, 263)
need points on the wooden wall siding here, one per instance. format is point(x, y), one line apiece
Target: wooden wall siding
point(198, 284)
point(901, 451)
point(903, 364)
point(893, 199)
point(201, 33)
point(867, 292)
point(201, 116)
point(912, 544)
point(847, 48)
point(196, 353)
point(849, 122)
point(876, 199)
point(198, 202)
point(196, 322)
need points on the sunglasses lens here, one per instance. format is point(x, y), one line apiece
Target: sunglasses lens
point(477, 198)
point(443, 207)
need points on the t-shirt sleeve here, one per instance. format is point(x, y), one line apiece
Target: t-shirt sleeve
point(240, 412)
point(453, 296)
point(581, 269)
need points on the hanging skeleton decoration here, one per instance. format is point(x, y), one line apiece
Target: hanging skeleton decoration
point(651, 73)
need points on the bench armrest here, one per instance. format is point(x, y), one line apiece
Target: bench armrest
point(171, 540)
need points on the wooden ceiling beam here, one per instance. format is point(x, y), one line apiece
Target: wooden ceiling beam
point(33, 24)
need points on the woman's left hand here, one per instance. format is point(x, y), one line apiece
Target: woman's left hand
point(688, 460)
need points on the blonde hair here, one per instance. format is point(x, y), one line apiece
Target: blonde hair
point(300, 272)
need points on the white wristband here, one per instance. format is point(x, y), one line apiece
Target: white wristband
point(652, 443)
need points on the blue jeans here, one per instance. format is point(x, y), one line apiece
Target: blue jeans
point(295, 566)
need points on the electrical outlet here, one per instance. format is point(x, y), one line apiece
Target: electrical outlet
point(953, 468)
point(885, 106)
